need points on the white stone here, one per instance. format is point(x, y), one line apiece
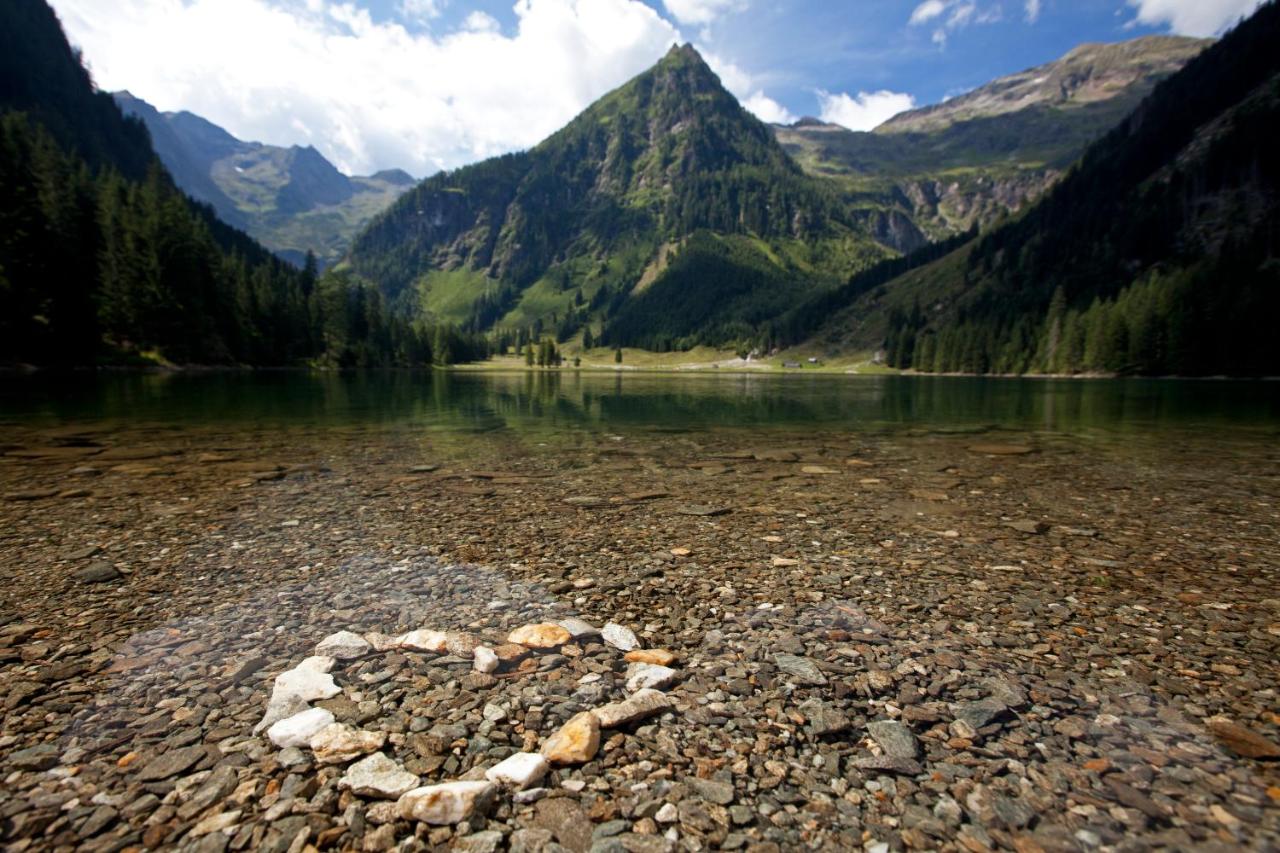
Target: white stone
point(620, 637)
point(294, 689)
point(378, 776)
point(641, 676)
point(449, 803)
point(299, 729)
point(519, 771)
point(343, 645)
point(308, 685)
point(336, 743)
point(667, 814)
point(317, 663)
point(578, 628)
point(423, 640)
point(486, 660)
point(645, 703)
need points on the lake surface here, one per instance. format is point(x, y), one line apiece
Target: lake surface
point(592, 402)
point(1099, 559)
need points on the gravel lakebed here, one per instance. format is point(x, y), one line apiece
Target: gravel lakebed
point(299, 637)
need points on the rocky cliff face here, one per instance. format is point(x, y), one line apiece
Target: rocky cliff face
point(291, 199)
point(978, 157)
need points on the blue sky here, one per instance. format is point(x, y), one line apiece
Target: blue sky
point(430, 84)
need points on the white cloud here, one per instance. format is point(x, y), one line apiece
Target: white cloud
point(927, 11)
point(747, 89)
point(866, 111)
point(958, 15)
point(1193, 17)
point(767, 109)
point(702, 11)
point(370, 95)
point(420, 11)
point(1032, 8)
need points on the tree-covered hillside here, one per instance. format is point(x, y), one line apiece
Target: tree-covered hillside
point(1157, 253)
point(102, 258)
point(598, 215)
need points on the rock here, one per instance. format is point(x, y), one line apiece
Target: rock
point(343, 645)
point(519, 771)
point(295, 688)
point(576, 742)
point(894, 738)
point(40, 757)
point(300, 728)
point(659, 657)
point(824, 719)
point(485, 660)
point(447, 803)
point(567, 822)
point(619, 637)
point(982, 713)
point(171, 763)
point(337, 743)
point(578, 629)
point(489, 841)
point(889, 764)
point(530, 840)
point(215, 823)
point(645, 703)
point(720, 793)
point(462, 644)
point(1001, 449)
point(424, 641)
point(377, 776)
point(818, 469)
point(542, 636)
point(667, 814)
point(221, 782)
point(1241, 740)
point(644, 676)
point(99, 571)
point(702, 510)
point(1029, 525)
point(803, 671)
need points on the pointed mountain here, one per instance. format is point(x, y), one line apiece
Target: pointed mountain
point(292, 199)
point(593, 225)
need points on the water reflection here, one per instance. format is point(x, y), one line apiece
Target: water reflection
point(485, 402)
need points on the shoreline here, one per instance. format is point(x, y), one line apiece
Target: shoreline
point(676, 370)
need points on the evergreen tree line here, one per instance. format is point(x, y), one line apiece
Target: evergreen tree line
point(95, 266)
point(1158, 254)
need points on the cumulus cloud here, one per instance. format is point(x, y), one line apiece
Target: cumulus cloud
point(1193, 17)
point(702, 12)
point(369, 94)
point(866, 111)
point(747, 89)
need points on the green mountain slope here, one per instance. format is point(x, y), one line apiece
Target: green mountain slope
point(1156, 254)
point(977, 157)
point(292, 199)
point(582, 227)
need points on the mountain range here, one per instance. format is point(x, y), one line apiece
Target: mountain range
point(665, 215)
point(1157, 253)
point(291, 199)
point(982, 155)
point(1007, 230)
